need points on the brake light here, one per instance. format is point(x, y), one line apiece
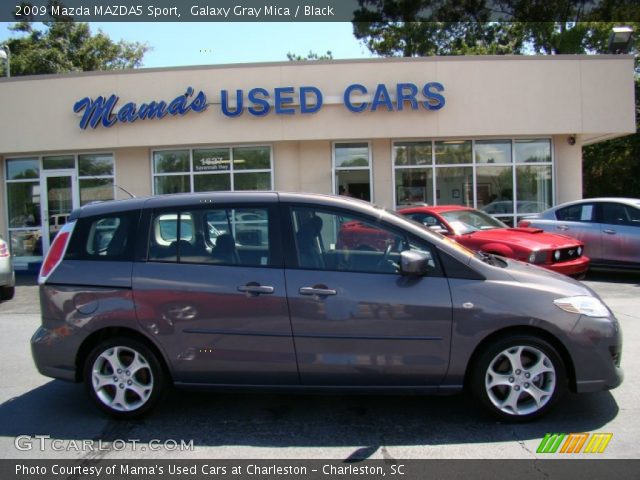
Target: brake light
point(524, 223)
point(56, 252)
point(4, 250)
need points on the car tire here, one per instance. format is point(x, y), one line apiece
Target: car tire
point(7, 293)
point(124, 377)
point(519, 378)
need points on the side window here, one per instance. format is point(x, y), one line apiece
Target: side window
point(576, 213)
point(220, 236)
point(328, 240)
point(619, 214)
point(105, 237)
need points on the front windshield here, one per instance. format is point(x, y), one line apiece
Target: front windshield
point(469, 221)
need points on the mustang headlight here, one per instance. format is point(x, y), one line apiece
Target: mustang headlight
point(556, 255)
point(584, 305)
point(537, 257)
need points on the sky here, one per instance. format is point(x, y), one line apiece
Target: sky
point(188, 43)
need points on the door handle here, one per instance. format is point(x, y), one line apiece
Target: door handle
point(254, 289)
point(562, 227)
point(610, 232)
point(321, 292)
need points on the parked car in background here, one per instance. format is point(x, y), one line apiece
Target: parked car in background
point(501, 207)
point(609, 228)
point(309, 307)
point(476, 230)
point(7, 275)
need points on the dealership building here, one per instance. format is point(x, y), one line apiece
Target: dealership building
point(503, 134)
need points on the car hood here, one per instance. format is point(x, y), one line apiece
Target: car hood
point(542, 278)
point(530, 238)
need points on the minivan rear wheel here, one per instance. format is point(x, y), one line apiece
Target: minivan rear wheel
point(124, 377)
point(7, 293)
point(519, 378)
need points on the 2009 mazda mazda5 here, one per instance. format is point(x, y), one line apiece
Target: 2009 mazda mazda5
point(262, 289)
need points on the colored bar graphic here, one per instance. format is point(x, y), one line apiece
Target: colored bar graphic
point(573, 443)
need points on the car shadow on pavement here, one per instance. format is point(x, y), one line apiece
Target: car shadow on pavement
point(63, 411)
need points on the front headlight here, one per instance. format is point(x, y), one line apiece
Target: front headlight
point(556, 255)
point(584, 305)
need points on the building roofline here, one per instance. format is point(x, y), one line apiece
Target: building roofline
point(300, 64)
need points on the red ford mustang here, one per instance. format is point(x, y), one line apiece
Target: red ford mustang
point(479, 231)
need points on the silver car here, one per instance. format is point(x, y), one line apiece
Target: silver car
point(337, 295)
point(7, 276)
point(608, 227)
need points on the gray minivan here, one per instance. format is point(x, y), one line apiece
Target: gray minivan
point(297, 291)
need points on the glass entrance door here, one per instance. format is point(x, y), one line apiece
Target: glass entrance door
point(60, 198)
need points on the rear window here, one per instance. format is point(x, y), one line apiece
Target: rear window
point(104, 237)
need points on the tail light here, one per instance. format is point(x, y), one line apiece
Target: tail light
point(524, 223)
point(56, 252)
point(4, 249)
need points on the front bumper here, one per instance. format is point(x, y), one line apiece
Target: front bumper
point(572, 268)
point(597, 354)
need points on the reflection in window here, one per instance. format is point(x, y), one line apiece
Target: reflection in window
point(352, 170)
point(533, 151)
point(493, 151)
point(23, 168)
point(454, 186)
point(534, 188)
point(453, 151)
point(494, 189)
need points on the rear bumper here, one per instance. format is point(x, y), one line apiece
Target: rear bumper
point(572, 268)
point(52, 356)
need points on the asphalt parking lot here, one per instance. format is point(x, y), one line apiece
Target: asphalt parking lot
point(265, 426)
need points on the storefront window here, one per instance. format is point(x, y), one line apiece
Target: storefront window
point(212, 169)
point(59, 162)
point(454, 186)
point(453, 151)
point(352, 171)
point(95, 165)
point(534, 188)
point(486, 174)
point(533, 151)
point(414, 175)
point(45, 186)
point(494, 190)
point(492, 151)
point(23, 202)
point(23, 168)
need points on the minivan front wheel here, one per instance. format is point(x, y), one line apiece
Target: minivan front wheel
point(519, 378)
point(124, 377)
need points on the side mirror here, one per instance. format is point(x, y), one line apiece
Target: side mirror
point(413, 263)
point(439, 229)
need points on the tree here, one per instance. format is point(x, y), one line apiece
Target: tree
point(292, 57)
point(463, 27)
point(67, 46)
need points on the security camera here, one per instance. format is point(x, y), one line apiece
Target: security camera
point(571, 139)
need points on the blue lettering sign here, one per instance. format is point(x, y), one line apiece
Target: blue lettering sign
point(356, 108)
point(406, 92)
point(313, 106)
point(262, 102)
point(101, 110)
point(434, 101)
point(381, 97)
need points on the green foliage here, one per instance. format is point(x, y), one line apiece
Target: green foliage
point(612, 168)
point(292, 57)
point(412, 28)
point(67, 46)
